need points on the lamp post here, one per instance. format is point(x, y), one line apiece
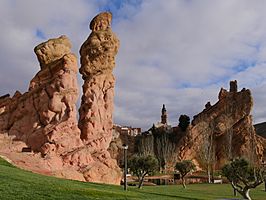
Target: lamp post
point(264, 168)
point(125, 147)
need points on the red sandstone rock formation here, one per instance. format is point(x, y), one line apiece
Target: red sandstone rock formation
point(44, 118)
point(225, 128)
point(218, 134)
point(96, 111)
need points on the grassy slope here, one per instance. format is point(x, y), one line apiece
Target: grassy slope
point(19, 184)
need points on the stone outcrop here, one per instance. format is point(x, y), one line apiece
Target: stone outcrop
point(39, 130)
point(219, 133)
point(96, 110)
point(40, 127)
point(43, 121)
point(45, 116)
point(225, 130)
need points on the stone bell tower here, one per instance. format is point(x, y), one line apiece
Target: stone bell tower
point(164, 115)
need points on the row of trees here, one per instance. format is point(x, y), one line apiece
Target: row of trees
point(240, 173)
point(161, 143)
point(148, 165)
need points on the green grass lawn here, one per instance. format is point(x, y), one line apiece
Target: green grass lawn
point(19, 184)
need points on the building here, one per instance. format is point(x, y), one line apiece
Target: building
point(163, 123)
point(127, 130)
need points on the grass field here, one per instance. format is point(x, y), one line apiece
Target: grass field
point(19, 184)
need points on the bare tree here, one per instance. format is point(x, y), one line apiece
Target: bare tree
point(164, 148)
point(145, 144)
point(206, 151)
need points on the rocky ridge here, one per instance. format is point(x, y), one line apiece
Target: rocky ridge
point(45, 116)
point(225, 130)
point(220, 133)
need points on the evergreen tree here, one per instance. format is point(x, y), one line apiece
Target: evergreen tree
point(142, 165)
point(184, 122)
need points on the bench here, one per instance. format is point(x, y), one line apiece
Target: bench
point(218, 181)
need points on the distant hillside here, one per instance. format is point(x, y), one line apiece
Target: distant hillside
point(261, 129)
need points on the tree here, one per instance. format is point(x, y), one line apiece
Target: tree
point(164, 148)
point(206, 151)
point(184, 167)
point(144, 144)
point(243, 176)
point(143, 165)
point(263, 166)
point(184, 122)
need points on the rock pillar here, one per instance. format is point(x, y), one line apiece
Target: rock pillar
point(45, 116)
point(97, 62)
point(96, 110)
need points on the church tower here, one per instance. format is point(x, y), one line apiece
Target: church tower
point(164, 115)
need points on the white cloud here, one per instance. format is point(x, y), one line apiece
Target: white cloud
point(198, 44)
point(19, 22)
point(179, 53)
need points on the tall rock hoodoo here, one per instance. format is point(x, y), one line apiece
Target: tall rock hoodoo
point(45, 116)
point(96, 111)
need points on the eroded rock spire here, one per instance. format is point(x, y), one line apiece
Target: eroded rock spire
point(97, 62)
point(45, 116)
point(96, 112)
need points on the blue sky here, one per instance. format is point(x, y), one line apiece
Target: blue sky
point(175, 52)
point(118, 8)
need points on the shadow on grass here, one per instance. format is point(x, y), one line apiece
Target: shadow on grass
point(166, 195)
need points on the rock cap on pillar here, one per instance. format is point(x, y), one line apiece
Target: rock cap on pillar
point(99, 50)
point(101, 21)
point(52, 50)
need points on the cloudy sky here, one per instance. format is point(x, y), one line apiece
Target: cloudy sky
point(176, 52)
